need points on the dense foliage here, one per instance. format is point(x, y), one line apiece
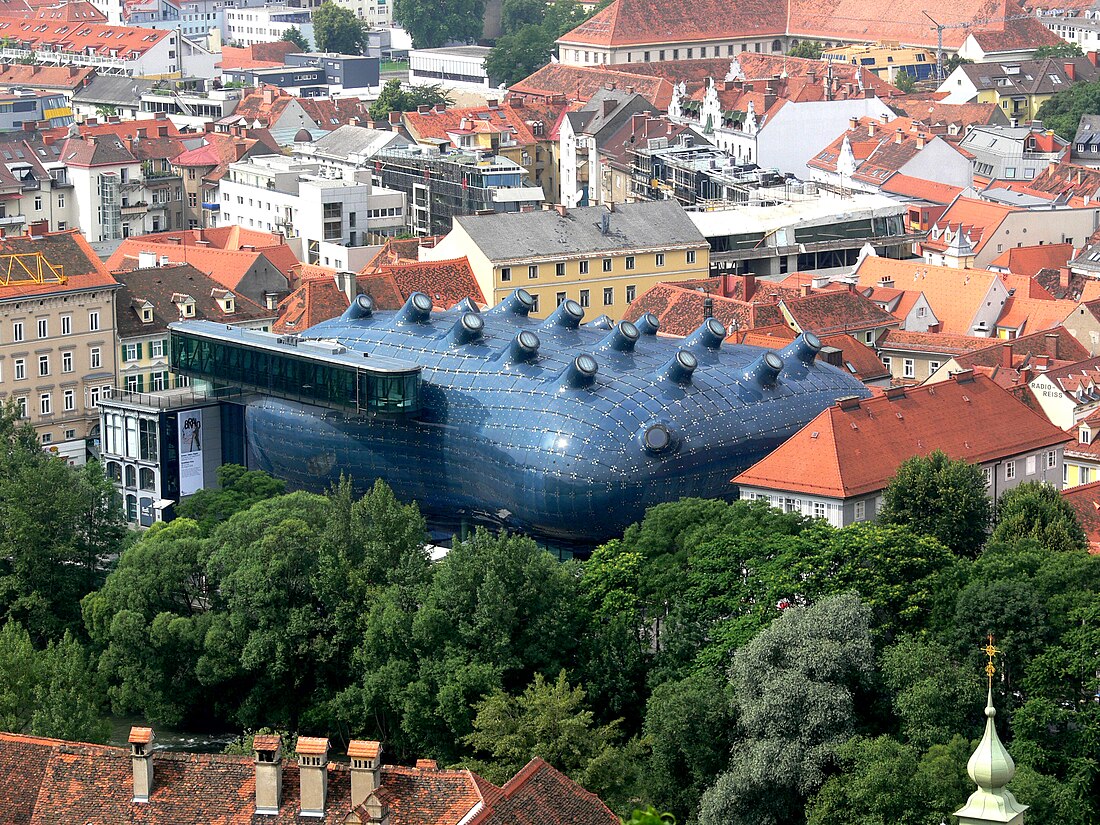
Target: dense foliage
point(397, 98)
point(529, 29)
point(726, 663)
point(294, 35)
point(434, 23)
point(1063, 111)
point(337, 29)
point(811, 49)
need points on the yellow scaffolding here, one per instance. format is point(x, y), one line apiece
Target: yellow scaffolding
point(29, 267)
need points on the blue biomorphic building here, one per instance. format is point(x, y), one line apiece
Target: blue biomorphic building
point(564, 430)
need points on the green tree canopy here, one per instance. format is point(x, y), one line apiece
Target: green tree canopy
point(1059, 50)
point(942, 498)
point(433, 24)
point(294, 35)
point(1036, 510)
point(396, 98)
point(337, 29)
point(808, 48)
point(1063, 111)
point(530, 31)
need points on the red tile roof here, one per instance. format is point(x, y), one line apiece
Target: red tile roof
point(66, 254)
point(1016, 35)
point(85, 37)
point(580, 83)
point(961, 115)
point(196, 246)
point(1034, 314)
point(939, 343)
point(920, 189)
point(257, 56)
point(636, 22)
point(517, 117)
point(1029, 260)
point(681, 310)
point(1085, 501)
point(858, 358)
point(315, 300)
point(45, 781)
point(833, 311)
point(445, 282)
point(977, 218)
point(855, 449)
point(69, 78)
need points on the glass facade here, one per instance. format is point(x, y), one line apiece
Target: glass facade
point(310, 380)
point(564, 431)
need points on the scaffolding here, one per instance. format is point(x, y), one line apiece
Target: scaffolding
point(29, 267)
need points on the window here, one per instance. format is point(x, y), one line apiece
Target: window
point(533, 271)
point(70, 435)
point(691, 256)
point(933, 366)
point(93, 396)
point(559, 298)
point(586, 299)
point(861, 510)
point(1052, 459)
point(156, 349)
point(17, 331)
point(47, 438)
point(38, 203)
point(66, 325)
point(559, 268)
point(66, 362)
point(1084, 475)
point(147, 478)
point(43, 365)
point(43, 328)
point(631, 293)
point(1029, 465)
point(21, 405)
point(659, 259)
point(606, 264)
point(505, 274)
point(1010, 470)
point(535, 305)
point(987, 474)
point(909, 371)
point(629, 261)
point(95, 360)
point(45, 403)
point(147, 439)
point(69, 400)
point(869, 337)
point(608, 296)
point(130, 352)
point(583, 267)
point(93, 321)
point(819, 509)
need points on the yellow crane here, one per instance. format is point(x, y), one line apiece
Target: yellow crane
point(968, 24)
point(29, 267)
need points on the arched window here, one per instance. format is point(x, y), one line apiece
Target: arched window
point(114, 471)
point(777, 45)
point(148, 478)
point(131, 476)
point(131, 508)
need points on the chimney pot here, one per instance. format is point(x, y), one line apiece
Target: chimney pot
point(141, 757)
point(366, 769)
point(267, 752)
point(313, 774)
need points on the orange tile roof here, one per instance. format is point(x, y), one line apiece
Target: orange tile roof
point(980, 219)
point(257, 56)
point(955, 295)
point(899, 20)
point(67, 253)
point(70, 78)
point(518, 118)
point(445, 282)
point(940, 343)
point(880, 149)
point(140, 736)
point(1085, 501)
point(935, 113)
point(920, 189)
point(1014, 35)
point(681, 310)
point(858, 358)
point(1034, 314)
point(855, 449)
point(85, 37)
point(364, 749)
point(315, 300)
point(231, 241)
point(833, 311)
point(312, 745)
point(580, 83)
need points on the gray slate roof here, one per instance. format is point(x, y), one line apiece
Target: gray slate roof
point(632, 226)
point(111, 90)
point(358, 140)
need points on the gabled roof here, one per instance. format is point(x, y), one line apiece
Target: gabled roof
point(315, 300)
point(921, 189)
point(445, 282)
point(580, 83)
point(962, 115)
point(187, 245)
point(67, 253)
point(855, 448)
point(636, 22)
point(877, 148)
point(257, 56)
point(63, 78)
point(1029, 77)
point(1034, 314)
point(833, 311)
point(936, 343)
point(86, 37)
point(979, 219)
point(517, 117)
point(955, 295)
point(1030, 260)
point(96, 151)
point(681, 309)
point(540, 795)
point(1023, 34)
point(854, 356)
point(157, 285)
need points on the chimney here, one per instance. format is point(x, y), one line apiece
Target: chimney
point(427, 765)
point(769, 97)
point(238, 150)
point(208, 127)
point(921, 140)
point(1050, 341)
point(898, 136)
point(871, 126)
point(561, 209)
point(441, 107)
point(1071, 70)
point(609, 106)
point(708, 307)
point(1092, 57)
point(853, 123)
point(38, 228)
point(313, 774)
point(268, 95)
point(806, 290)
point(141, 756)
point(267, 750)
point(492, 103)
point(395, 118)
point(636, 121)
point(748, 286)
point(157, 116)
point(1006, 356)
point(366, 769)
point(423, 109)
point(346, 283)
point(811, 77)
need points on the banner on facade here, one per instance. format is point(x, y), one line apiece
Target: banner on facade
point(191, 438)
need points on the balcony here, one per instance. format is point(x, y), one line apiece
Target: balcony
point(134, 208)
point(12, 220)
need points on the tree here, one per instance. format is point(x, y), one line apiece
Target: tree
point(952, 62)
point(1036, 510)
point(337, 29)
point(1063, 111)
point(395, 98)
point(515, 56)
point(650, 816)
point(238, 489)
point(520, 14)
point(66, 698)
point(432, 23)
point(106, 110)
point(905, 82)
point(811, 49)
point(1059, 50)
point(942, 498)
point(18, 677)
point(795, 689)
point(294, 35)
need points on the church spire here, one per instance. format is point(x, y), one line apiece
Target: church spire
point(991, 767)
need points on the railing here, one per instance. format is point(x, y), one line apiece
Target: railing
point(168, 399)
point(11, 220)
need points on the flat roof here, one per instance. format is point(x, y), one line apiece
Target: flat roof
point(456, 51)
point(330, 352)
point(745, 219)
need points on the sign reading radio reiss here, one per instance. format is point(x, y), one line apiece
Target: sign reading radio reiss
point(190, 443)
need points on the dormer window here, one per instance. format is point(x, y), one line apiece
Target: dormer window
point(1084, 436)
point(146, 315)
point(188, 309)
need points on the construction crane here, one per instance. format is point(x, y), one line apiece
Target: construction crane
point(969, 24)
point(29, 267)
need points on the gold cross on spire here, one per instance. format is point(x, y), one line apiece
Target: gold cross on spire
point(990, 651)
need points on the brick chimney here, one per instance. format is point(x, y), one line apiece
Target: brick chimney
point(141, 757)
point(1092, 57)
point(1050, 344)
point(770, 97)
point(313, 774)
point(1071, 70)
point(395, 118)
point(441, 107)
point(268, 95)
point(366, 769)
point(1006, 356)
point(898, 136)
point(805, 290)
point(748, 286)
point(267, 750)
point(423, 109)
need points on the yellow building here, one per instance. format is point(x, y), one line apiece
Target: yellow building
point(1018, 88)
point(602, 258)
point(1081, 462)
point(885, 60)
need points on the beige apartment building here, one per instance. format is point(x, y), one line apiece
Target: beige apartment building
point(600, 257)
point(57, 336)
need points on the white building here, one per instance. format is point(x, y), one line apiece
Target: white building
point(265, 24)
point(372, 12)
point(334, 217)
point(454, 67)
